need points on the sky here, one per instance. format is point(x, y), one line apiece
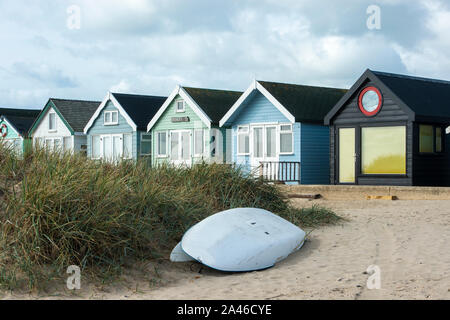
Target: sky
point(81, 49)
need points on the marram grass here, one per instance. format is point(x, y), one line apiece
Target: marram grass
point(60, 210)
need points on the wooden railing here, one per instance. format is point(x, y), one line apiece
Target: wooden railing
point(280, 171)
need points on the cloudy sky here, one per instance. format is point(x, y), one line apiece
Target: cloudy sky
point(149, 46)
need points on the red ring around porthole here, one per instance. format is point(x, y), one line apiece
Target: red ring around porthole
point(380, 101)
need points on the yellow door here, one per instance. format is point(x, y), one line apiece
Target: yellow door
point(347, 155)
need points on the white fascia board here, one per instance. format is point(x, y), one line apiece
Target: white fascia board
point(163, 108)
point(238, 103)
point(275, 102)
point(96, 113)
point(194, 106)
point(123, 112)
point(110, 97)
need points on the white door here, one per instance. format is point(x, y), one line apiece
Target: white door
point(256, 146)
point(264, 147)
point(186, 147)
point(111, 147)
point(106, 148)
point(117, 147)
point(180, 147)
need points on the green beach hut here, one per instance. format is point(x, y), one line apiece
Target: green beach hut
point(14, 126)
point(186, 129)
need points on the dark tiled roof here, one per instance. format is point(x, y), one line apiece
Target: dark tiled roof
point(305, 103)
point(77, 113)
point(21, 119)
point(215, 103)
point(141, 109)
point(19, 112)
point(425, 97)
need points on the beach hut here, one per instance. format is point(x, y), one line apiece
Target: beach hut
point(118, 128)
point(389, 129)
point(186, 128)
point(60, 124)
point(14, 127)
point(278, 131)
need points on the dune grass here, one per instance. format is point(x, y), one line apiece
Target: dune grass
point(60, 210)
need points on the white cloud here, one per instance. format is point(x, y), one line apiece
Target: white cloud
point(122, 87)
point(148, 47)
point(430, 57)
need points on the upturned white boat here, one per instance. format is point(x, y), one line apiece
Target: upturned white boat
point(243, 239)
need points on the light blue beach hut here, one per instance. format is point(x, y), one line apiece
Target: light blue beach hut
point(278, 131)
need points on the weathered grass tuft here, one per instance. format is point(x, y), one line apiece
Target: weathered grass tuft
point(59, 210)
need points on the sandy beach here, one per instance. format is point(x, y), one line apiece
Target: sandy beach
point(407, 240)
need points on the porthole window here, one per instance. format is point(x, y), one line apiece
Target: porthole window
point(370, 101)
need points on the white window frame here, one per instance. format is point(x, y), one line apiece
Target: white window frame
point(123, 146)
point(180, 160)
point(110, 123)
point(166, 154)
point(238, 143)
point(55, 129)
point(53, 139)
point(176, 106)
point(203, 143)
point(111, 136)
point(72, 144)
point(147, 140)
point(291, 131)
point(100, 147)
point(277, 141)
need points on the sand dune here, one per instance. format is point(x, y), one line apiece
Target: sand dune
point(408, 240)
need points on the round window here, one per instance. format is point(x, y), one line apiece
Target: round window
point(370, 101)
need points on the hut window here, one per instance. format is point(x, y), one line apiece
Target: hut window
point(438, 139)
point(383, 150)
point(243, 141)
point(198, 142)
point(258, 142)
point(146, 144)
point(286, 139)
point(67, 144)
point(271, 141)
point(39, 143)
point(180, 106)
point(96, 147)
point(18, 145)
point(52, 121)
point(426, 138)
point(128, 146)
point(111, 118)
point(162, 144)
point(370, 101)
